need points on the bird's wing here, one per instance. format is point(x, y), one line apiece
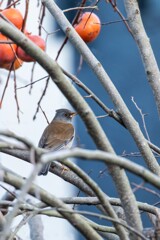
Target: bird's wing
point(56, 136)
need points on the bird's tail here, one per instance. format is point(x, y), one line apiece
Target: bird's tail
point(45, 169)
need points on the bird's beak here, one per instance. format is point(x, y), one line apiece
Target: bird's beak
point(73, 114)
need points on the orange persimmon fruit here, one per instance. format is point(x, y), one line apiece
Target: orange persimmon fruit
point(13, 65)
point(88, 26)
point(38, 41)
point(7, 51)
point(14, 16)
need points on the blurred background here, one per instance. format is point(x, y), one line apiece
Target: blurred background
point(117, 51)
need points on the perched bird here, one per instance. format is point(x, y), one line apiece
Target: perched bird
point(59, 134)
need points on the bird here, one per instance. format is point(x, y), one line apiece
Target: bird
point(58, 135)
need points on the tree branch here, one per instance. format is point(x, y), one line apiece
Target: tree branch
point(99, 71)
point(108, 158)
point(144, 46)
point(94, 128)
point(56, 168)
point(75, 219)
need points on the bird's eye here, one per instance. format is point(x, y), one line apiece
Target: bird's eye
point(66, 114)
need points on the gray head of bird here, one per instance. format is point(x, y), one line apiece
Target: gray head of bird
point(64, 114)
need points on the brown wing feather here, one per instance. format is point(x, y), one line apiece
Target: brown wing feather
point(56, 135)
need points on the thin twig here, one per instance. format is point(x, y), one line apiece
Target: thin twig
point(142, 116)
point(80, 8)
point(31, 80)
point(73, 22)
point(29, 84)
point(112, 22)
point(114, 5)
point(44, 114)
point(141, 186)
point(15, 94)
point(43, 93)
point(25, 15)
point(41, 18)
point(5, 88)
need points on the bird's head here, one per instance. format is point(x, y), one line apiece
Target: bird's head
point(64, 114)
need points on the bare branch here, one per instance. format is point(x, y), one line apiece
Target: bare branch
point(20, 198)
point(100, 194)
point(56, 168)
point(105, 157)
point(74, 219)
point(142, 116)
point(94, 129)
point(80, 8)
point(99, 71)
point(120, 222)
point(145, 49)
